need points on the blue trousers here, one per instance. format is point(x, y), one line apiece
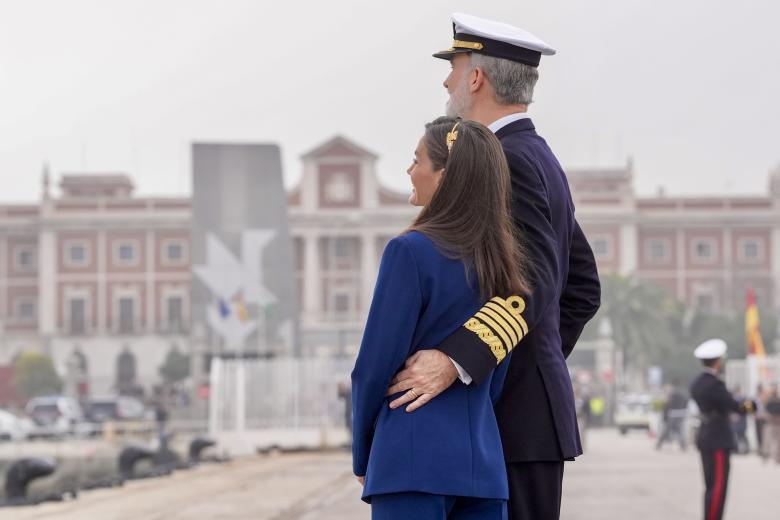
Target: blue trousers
point(424, 506)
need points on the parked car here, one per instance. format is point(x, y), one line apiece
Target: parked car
point(115, 408)
point(633, 412)
point(54, 416)
point(13, 428)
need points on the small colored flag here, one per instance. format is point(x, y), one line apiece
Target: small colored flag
point(241, 311)
point(752, 332)
point(224, 309)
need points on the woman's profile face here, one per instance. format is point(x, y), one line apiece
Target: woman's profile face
point(424, 178)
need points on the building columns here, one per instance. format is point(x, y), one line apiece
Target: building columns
point(368, 271)
point(102, 287)
point(681, 264)
point(775, 265)
point(312, 278)
point(150, 293)
point(629, 250)
point(727, 298)
point(47, 284)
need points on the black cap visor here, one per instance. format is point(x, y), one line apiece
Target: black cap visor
point(448, 54)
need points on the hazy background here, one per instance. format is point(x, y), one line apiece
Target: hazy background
point(688, 88)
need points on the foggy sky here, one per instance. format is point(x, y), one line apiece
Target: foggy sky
point(687, 88)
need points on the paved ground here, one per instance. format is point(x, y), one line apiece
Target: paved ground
point(619, 478)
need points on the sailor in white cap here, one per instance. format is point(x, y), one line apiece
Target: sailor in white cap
point(711, 349)
point(494, 72)
point(715, 439)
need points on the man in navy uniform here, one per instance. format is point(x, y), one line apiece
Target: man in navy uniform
point(494, 71)
point(715, 439)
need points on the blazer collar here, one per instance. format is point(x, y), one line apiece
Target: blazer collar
point(521, 125)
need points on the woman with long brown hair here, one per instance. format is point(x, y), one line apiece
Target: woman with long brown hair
point(445, 460)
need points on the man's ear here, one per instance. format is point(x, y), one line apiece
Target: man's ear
point(477, 80)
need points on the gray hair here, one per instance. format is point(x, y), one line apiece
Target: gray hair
point(512, 82)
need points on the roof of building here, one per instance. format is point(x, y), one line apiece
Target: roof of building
point(339, 146)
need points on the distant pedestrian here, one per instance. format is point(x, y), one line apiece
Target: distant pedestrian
point(161, 417)
point(345, 392)
point(739, 425)
point(772, 427)
point(674, 413)
point(582, 403)
point(715, 439)
point(762, 394)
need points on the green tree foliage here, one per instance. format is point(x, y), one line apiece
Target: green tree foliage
point(653, 328)
point(176, 366)
point(34, 375)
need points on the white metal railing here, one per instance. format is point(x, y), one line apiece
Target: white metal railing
point(260, 394)
point(749, 373)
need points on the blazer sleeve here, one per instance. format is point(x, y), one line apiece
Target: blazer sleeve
point(386, 343)
point(473, 348)
point(581, 296)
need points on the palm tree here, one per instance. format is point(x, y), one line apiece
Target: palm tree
point(645, 323)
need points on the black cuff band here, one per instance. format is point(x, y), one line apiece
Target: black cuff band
point(469, 352)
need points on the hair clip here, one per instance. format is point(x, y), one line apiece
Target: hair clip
point(452, 135)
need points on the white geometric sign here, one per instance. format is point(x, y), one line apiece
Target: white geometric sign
point(227, 277)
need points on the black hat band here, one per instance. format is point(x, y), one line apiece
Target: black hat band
point(497, 49)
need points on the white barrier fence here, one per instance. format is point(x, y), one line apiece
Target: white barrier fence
point(749, 373)
point(286, 403)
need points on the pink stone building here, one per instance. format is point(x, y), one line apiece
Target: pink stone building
point(95, 270)
point(706, 251)
point(98, 270)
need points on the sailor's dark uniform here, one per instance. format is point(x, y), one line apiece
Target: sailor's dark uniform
point(715, 438)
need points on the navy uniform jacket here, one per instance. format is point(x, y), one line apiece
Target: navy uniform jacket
point(452, 445)
point(536, 413)
point(716, 404)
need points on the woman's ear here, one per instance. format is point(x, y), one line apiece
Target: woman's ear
point(439, 174)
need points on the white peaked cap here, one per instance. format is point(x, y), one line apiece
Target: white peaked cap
point(711, 349)
point(498, 39)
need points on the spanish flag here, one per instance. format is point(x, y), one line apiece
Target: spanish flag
point(755, 345)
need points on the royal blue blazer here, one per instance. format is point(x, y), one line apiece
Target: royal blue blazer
point(450, 446)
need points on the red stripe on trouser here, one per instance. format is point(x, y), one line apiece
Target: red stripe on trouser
point(717, 492)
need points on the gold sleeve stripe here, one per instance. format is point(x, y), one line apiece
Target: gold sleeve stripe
point(524, 325)
point(508, 317)
point(487, 336)
point(516, 328)
point(501, 320)
point(516, 307)
point(487, 320)
point(500, 325)
point(502, 305)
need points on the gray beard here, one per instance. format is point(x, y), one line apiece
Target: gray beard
point(457, 104)
point(450, 109)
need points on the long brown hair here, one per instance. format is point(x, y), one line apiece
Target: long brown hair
point(469, 215)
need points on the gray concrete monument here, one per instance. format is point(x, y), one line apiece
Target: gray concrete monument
point(243, 280)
